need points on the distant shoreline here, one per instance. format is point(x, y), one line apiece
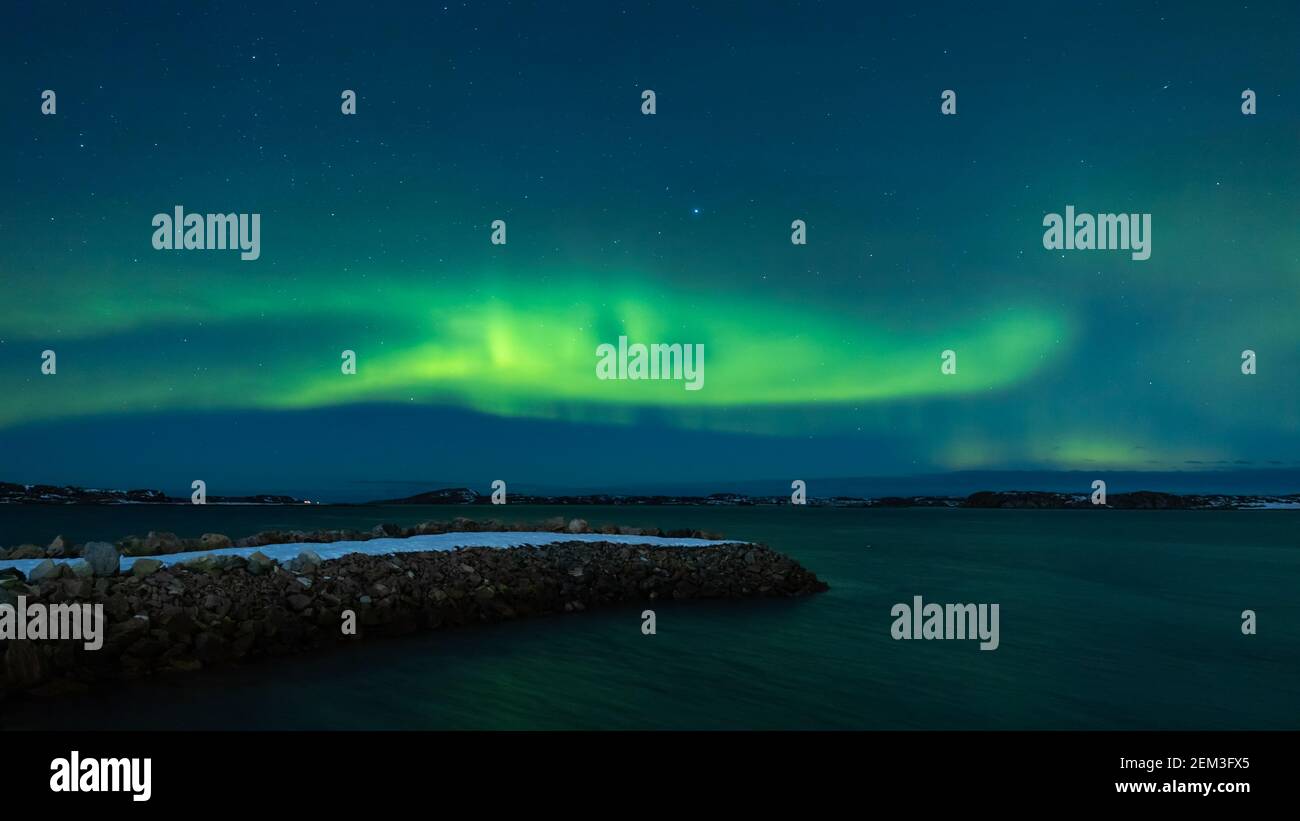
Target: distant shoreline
point(52, 495)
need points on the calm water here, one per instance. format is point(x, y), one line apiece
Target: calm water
point(1108, 620)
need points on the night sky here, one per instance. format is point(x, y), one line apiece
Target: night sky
point(477, 361)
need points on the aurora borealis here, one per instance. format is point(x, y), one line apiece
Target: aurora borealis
point(476, 360)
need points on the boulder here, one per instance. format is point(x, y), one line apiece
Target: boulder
point(260, 563)
point(58, 548)
point(578, 526)
point(77, 587)
point(307, 561)
point(214, 541)
point(176, 621)
point(27, 551)
point(135, 546)
point(25, 665)
point(200, 564)
point(43, 571)
point(160, 542)
point(210, 647)
point(11, 587)
point(145, 567)
point(102, 558)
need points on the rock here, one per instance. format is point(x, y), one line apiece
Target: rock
point(43, 571)
point(578, 526)
point(555, 524)
point(11, 573)
point(82, 569)
point(57, 549)
point(102, 558)
point(200, 564)
point(135, 546)
point(117, 608)
point(25, 665)
point(307, 561)
point(27, 551)
point(145, 567)
point(76, 587)
point(471, 575)
point(158, 542)
point(214, 541)
point(260, 563)
point(211, 648)
point(298, 602)
point(176, 621)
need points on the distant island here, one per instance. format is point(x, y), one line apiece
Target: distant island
point(986, 499)
point(15, 494)
point(20, 494)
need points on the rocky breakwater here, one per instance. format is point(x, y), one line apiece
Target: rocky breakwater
point(218, 610)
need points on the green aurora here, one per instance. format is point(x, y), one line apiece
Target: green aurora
point(925, 234)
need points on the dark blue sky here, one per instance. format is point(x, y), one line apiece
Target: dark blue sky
point(476, 361)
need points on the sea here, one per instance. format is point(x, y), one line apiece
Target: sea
point(1108, 620)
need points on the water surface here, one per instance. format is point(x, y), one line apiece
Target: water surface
point(1108, 619)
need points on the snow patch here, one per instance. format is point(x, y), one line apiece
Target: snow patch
point(414, 544)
